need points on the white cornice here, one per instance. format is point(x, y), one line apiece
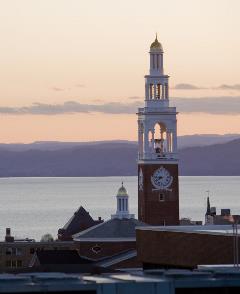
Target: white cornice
point(105, 240)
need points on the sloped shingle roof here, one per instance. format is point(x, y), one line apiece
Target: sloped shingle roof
point(113, 228)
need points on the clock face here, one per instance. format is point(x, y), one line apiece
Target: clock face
point(161, 179)
point(140, 180)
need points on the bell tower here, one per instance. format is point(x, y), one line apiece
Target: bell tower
point(158, 191)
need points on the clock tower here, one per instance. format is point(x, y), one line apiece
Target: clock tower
point(158, 192)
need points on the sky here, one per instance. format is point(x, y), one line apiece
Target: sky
point(73, 70)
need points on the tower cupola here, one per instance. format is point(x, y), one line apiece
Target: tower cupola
point(122, 204)
point(156, 46)
point(156, 58)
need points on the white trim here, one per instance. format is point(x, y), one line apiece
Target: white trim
point(195, 229)
point(106, 240)
point(118, 259)
point(169, 161)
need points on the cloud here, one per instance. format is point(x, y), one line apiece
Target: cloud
point(57, 89)
point(184, 86)
point(71, 107)
point(211, 105)
point(136, 98)
point(229, 87)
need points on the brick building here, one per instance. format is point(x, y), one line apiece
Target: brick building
point(186, 246)
point(18, 254)
point(112, 237)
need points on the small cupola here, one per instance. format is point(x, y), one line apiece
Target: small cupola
point(122, 204)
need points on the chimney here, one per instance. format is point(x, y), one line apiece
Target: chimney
point(8, 237)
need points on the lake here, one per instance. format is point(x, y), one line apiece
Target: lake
point(32, 207)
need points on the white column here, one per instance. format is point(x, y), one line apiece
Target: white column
point(166, 91)
point(150, 91)
point(151, 61)
point(140, 143)
point(152, 140)
point(162, 70)
point(175, 142)
point(140, 139)
point(163, 92)
point(146, 91)
point(168, 141)
point(146, 143)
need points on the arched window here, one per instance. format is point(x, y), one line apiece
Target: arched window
point(159, 140)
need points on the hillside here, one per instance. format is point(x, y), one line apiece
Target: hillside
point(183, 142)
point(115, 159)
point(219, 160)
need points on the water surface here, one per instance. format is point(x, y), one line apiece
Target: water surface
point(35, 206)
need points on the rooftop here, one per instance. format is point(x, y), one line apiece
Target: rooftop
point(112, 229)
point(80, 221)
point(214, 280)
point(207, 229)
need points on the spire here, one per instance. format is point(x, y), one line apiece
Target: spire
point(208, 212)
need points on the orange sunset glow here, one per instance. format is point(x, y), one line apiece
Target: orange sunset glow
point(56, 55)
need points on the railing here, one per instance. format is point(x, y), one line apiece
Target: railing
point(157, 156)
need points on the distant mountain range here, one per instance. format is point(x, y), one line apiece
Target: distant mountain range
point(183, 141)
point(218, 155)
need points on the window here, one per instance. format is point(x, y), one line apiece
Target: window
point(13, 251)
point(9, 251)
point(96, 249)
point(8, 263)
point(161, 197)
point(18, 251)
point(14, 263)
point(32, 250)
point(19, 263)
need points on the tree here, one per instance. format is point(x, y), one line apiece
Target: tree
point(47, 238)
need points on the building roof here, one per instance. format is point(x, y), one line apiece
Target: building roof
point(198, 229)
point(45, 257)
point(81, 220)
point(112, 229)
point(117, 258)
point(137, 281)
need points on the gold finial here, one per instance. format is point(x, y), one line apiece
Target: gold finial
point(156, 44)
